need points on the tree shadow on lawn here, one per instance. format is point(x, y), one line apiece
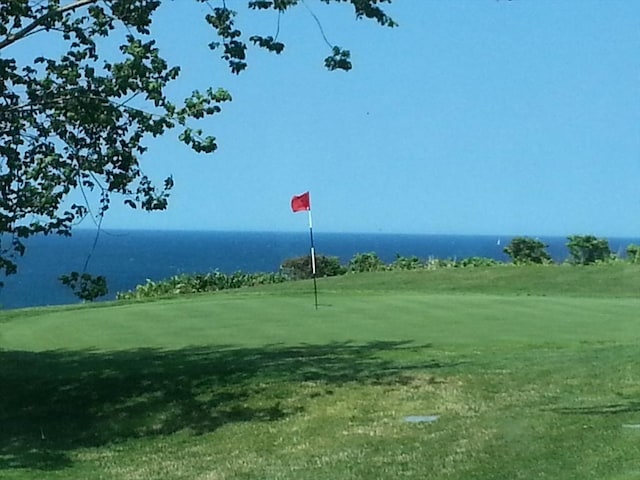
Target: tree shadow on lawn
point(631, 406)
point(57, 401)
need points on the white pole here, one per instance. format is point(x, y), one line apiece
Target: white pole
point(313, 260)
point(313, 250)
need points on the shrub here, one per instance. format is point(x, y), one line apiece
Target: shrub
point(477, 262)
point(436, 263)
point(406, 263)
point(299, 268)
point(366, 262)
point(199, 283)
point(523, 251)
point(633, 253)
point(588, 249)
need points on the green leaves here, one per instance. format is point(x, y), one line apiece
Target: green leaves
point(633, 253)
point(299, 268)
point(369, 9)
point(524, 251)
point(234, 50)
point(82, 119)
point(260, 5)
point(339, 60)
point(267, 43)
point(199, 283)
point(85, 286)
point(366, 262)
point(588, 249)
point(195, 140)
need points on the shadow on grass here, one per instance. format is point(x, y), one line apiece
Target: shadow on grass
point(608, 409)
point(54, 402)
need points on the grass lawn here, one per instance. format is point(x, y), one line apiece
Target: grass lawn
point(531, 372)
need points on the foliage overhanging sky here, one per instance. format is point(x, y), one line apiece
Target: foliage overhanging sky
point(471, 117)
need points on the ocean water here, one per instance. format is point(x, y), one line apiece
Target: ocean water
point(129, 258)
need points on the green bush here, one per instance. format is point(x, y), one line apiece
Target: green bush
point(588, 249)
point(477, 262)
point(406, 263)
point(299, 268)
point(291, 269)
point(524, 251)
point(633, 253)
point(436, 263)
point(366, 262)
point(199, 283)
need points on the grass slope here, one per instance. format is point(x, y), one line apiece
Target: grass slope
point(534, 373)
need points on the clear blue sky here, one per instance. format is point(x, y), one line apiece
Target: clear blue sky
point(471, 117)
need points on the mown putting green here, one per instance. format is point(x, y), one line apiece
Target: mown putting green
point(529, 378)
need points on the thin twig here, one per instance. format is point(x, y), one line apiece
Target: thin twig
point(315, 17)
point(278, 26)
point(95, 243)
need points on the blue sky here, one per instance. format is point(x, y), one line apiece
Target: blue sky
point(471, 117)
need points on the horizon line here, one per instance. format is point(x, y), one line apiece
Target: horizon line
point(498, 236)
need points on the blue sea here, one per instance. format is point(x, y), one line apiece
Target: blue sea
point(129, 258)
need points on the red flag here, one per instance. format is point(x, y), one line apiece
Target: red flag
point(300, 203)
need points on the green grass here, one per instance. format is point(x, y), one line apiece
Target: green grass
point(534, 373)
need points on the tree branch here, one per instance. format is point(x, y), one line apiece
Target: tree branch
point(11, 39)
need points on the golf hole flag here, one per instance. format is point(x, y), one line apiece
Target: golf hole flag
point(302, 203)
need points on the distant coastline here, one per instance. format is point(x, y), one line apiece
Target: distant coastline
point(129, 257)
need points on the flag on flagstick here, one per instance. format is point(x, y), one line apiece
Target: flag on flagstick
point(301, 203)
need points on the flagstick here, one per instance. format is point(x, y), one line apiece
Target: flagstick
point(313, 260)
